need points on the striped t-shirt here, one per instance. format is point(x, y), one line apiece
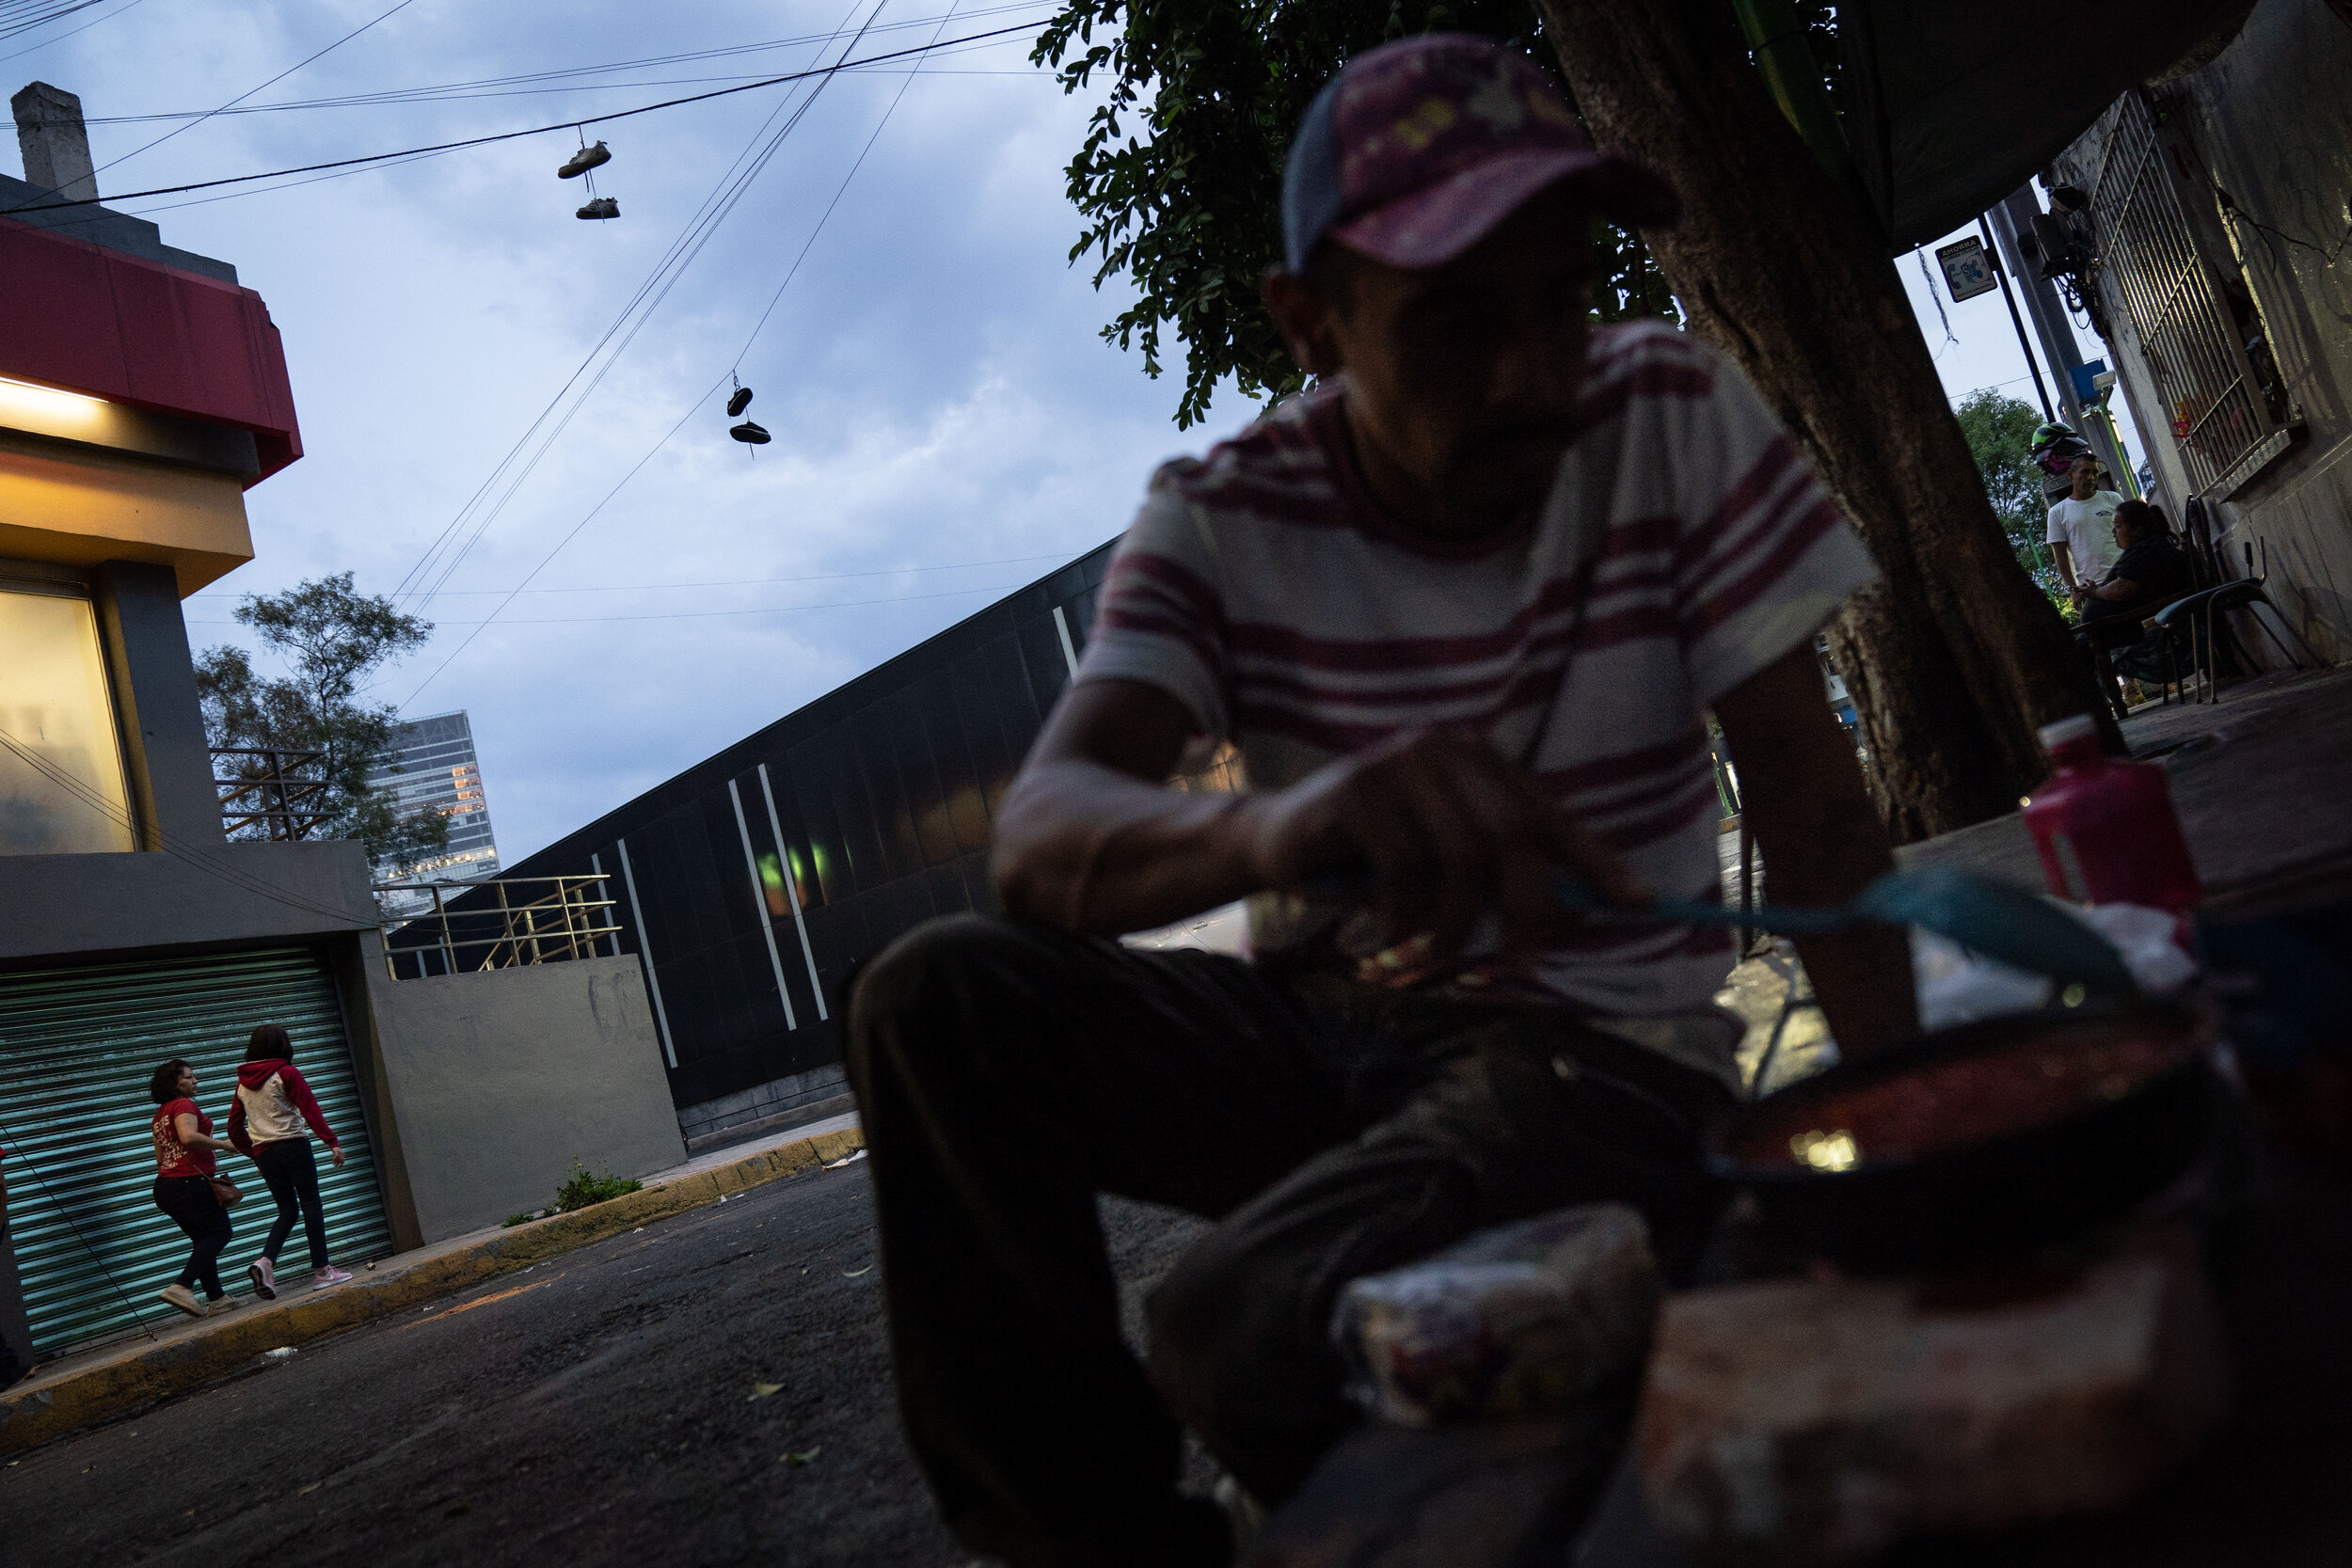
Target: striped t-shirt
point(1684, 546)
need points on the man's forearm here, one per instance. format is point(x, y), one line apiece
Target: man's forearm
point(2064, 556)
point(1822, 841)
point(1089, 849)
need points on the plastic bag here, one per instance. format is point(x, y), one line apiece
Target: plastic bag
point(1517, 1320)
point(1957, 986)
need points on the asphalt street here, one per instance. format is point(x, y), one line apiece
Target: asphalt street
point(713, 1389)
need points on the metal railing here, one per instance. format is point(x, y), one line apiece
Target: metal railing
point(280, 793)
point(495, 925)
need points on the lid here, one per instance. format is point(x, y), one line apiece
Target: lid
point(2065, 732)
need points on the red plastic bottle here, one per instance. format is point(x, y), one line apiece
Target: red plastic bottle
point(2106, 829)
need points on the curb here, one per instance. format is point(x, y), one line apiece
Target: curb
point(116, 1388)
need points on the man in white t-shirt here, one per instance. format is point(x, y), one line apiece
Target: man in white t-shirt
point(2082, 528)
point(1463, 609)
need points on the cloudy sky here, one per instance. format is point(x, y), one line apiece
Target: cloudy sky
point(947, 423)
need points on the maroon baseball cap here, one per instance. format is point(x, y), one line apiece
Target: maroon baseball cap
point(1416, 150)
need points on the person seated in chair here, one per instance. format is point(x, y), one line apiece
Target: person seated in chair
point(2149, 574)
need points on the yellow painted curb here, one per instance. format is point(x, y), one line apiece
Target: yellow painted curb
point(116, 1388)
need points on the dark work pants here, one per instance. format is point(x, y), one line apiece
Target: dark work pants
point(1006, 1074)
point(293, 1175)
point(189, 1202)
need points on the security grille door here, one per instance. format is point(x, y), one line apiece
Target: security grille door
point(77, 1048)
point(2177, 309)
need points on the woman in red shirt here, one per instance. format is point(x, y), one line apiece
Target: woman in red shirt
point(184, 1187)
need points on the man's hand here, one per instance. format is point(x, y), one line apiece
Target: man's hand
point(1448, 828)
point(337, 1153)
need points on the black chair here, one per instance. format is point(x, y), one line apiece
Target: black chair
point(2196, 619)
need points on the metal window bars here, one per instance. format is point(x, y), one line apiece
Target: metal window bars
point(2154, 278)
point(496, 926)
point(268, 792)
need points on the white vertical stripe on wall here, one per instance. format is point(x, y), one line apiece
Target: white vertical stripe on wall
point(644, 948)
point(759, 897)
point(792, 890)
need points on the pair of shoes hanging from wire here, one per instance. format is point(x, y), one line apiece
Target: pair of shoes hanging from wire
point(748, 432)
point(581, 162)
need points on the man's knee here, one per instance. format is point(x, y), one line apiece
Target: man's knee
point(938, 986)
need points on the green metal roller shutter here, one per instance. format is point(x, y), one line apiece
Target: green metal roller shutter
point(78, 1047)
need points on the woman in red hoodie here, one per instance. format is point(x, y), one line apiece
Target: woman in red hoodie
point(266, 1122)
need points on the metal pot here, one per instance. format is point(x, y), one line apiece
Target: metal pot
point(2050, 1174)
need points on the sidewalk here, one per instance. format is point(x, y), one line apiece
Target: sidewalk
point(125, 1375)
point(2259, 781)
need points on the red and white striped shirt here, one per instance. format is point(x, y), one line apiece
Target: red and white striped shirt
point(1685, 546)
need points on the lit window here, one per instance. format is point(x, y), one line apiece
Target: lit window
point(61, 789)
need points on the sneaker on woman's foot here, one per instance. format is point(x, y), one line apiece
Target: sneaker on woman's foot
point(264, 1277)
point(183, 1298)
point(222, 1303)
point(328, 1275)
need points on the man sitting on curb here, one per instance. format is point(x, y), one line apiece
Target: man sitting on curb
point(1462, 607)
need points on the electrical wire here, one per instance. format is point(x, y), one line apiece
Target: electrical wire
point(398, 6)
point(697, 403)
point(728, 582)
point(75, 33)
point(16, 1147)
point(532, 130)
point(462, 533)
point(689, 614)
point(794, 270)
point(171, 844)
point(488, 86)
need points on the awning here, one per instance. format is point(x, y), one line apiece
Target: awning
point(1949, 108)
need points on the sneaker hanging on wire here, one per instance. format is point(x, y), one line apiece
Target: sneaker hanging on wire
point(750, 435)
point(602, 207)
point(582, 161)
point(741, 400)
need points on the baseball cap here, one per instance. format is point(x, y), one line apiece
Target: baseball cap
point(1418, 148)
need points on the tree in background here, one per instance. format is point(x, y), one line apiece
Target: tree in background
point(1180, 181)
point(331, 639)
point(1999, 430)
point(1955, 656)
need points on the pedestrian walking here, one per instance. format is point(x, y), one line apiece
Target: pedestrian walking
point(189, 1188)
point(267, 1122)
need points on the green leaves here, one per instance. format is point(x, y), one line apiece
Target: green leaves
point(1191, 212)
point(331, 638)
point(1999, 429)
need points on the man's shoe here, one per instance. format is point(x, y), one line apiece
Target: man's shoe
point(328, 1275)
point(184, 1299)
point(264, 1277)
point(582, 161)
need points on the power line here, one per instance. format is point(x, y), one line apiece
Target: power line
point(685, 615)
point(463, 529)
point(794, 270)
point(75, 33)
point(632, 473)
point(533, 131)
point(727, 582)
point(398, 6)
point(488, 86)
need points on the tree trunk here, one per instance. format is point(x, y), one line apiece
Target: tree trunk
point(1954, 656)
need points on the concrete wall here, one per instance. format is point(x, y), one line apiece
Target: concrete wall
point(491, 1084)
point(90, 909)
point(164, 747)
